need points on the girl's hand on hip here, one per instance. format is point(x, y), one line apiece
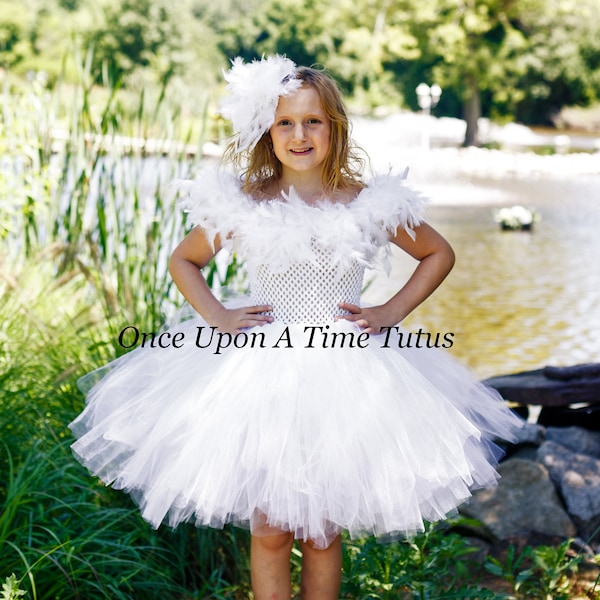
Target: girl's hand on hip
point(233, 320)
point(371, 319)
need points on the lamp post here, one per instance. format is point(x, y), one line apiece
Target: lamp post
point(427, 98)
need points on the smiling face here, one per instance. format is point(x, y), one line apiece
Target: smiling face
point(301, 133)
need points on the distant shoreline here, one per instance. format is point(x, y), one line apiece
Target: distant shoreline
point(433, 145)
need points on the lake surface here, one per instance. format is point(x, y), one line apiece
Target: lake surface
point(515, 300)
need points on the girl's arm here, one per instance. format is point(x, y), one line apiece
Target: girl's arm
point(436, 259)
point(192, 254)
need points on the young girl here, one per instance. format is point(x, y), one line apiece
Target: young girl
point(297, 412)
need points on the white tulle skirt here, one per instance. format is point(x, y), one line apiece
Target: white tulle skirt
point(274, 434)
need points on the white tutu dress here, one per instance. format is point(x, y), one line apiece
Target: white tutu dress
point(302, 424)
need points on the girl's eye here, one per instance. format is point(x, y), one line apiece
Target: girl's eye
point(284, 122)
point(314, 121)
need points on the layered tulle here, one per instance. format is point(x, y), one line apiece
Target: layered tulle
point(287, 431)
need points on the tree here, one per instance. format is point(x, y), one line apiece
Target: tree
point(499, 58)
point(15, 24)
point(510, 58)
point(33, 36)
point(562, 66)
point(135, 34)
point(352, 38)
point(297, 29)
point(472, 46)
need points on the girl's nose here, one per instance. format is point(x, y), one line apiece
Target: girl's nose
point(299, 132)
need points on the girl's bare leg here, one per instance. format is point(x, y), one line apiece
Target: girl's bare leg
point(321, 571)
point(270, 565)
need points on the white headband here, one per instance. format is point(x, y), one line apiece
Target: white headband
point(254, 91)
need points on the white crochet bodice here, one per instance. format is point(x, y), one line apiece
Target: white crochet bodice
point(307, 291)
point(303, 259)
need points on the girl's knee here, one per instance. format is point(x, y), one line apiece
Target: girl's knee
point(274, 542)
point(309, 546)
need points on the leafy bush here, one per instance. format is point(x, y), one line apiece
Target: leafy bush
point(436, 564)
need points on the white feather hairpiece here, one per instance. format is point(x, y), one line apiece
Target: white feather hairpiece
point(254, 91)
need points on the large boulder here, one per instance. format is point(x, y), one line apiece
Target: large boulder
point(530, 433)
point(576, 439)
point(525, 501)
point(577, 476)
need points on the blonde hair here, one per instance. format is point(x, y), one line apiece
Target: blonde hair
point(343, 166)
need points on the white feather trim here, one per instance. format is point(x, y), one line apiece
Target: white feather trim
point(254, 91)
point(283, 231)
point(212, 202)
point(389, 204)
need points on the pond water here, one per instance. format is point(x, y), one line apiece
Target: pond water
point(515, 300)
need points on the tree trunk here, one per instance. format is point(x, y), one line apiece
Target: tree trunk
point(472, 112)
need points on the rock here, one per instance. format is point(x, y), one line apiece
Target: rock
point(550, 484)
point(577, 476)
point(576, 439)
point(525, 500)
point(525, 452)
point(531, 433)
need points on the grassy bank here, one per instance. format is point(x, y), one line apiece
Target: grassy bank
point(63, 534)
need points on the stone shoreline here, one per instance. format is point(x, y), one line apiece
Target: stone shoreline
point(549, 489)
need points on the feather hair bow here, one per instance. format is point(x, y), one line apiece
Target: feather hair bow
point(254, 90)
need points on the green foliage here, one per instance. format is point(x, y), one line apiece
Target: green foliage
point(435, 564)
point(62, 534)
point(299, 30)
point(352, 43)
point(34, 36)
point(137, 34)
point(13, 33)
point(562, 66)
point(55, 530)
point(538, 573)
point(524, 59)
point(512, 570)
point(87, 232)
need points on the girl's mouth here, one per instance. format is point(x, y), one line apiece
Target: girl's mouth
point(301, 151)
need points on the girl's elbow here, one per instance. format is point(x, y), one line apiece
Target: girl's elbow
point(447, 257)
point(450, 257)
point(174, 261)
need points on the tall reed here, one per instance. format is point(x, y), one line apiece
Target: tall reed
point(87, 222)
point(93, 178)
